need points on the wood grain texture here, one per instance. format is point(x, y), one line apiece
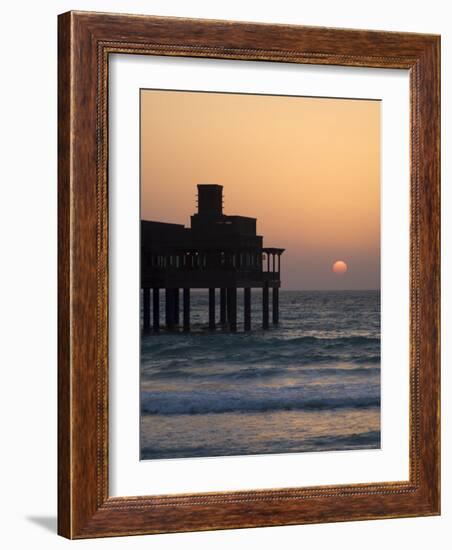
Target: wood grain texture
point(64, 295)
point(85, 42)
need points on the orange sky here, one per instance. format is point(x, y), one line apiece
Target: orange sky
point(307, 168)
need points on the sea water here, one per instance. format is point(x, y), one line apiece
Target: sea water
point(310, 383)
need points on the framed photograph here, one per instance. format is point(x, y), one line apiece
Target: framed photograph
point(248, 275)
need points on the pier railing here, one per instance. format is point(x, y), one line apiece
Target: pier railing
point(173, 277)
point(226, 270)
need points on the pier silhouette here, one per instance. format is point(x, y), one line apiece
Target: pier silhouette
point(217, 251)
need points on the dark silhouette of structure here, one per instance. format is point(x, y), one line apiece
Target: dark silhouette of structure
point(216, 252)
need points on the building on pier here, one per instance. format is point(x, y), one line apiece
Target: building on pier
point(217, 251)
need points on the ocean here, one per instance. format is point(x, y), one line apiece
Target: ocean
point(312, 383)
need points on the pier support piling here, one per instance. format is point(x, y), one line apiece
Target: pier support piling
point(247, 308)
point(211, 309)
point(275, 305)
point(176, 306)
point(146, 308)
point(186, 309)
point(156, 309)
point(169, 308)
point(265, 306)
point(223, 306)
point(232, 308)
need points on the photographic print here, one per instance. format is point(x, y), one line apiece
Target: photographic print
point(260, 274)
point(220, 256)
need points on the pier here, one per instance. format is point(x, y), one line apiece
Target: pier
point(217, 252)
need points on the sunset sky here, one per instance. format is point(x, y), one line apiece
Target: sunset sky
point(307, 168)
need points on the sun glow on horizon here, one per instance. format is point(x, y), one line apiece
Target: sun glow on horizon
point(307, 169)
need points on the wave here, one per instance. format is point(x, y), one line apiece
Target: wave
point(245, 340)
point(260, 349)
point(173, 371)
point(337, 340)
point(363, 440)
point(205, 402)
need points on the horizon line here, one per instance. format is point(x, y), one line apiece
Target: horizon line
point(331, 289)
point(313, 289)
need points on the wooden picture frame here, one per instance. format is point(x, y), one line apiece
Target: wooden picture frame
point(86, 40)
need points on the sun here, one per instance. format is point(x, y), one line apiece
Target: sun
point(339, 267)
